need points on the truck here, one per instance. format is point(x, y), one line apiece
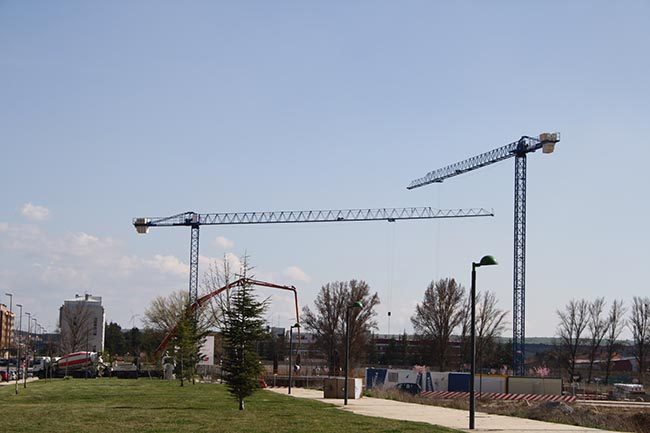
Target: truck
point(78, 364)
point(40, 366)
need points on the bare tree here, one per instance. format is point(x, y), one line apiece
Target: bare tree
point(76, 325)
point(218, 275)
point(164, 312)
point(597, 328)
point(615, 325)
point(327, 321)
point(362, 321)
point(573, 321)
point(489, 324)
point(639, 324)
point(175, 314)
point(440, 312)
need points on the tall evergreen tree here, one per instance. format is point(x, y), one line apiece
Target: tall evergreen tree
point(244, 326)
point(186, 345)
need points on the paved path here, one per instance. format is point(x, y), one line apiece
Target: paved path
point(452, 418)
point(20, 382)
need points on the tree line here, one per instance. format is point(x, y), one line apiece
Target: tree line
point(443, 313)
point(588, 328)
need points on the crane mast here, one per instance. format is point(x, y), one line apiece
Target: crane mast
point(195, 220)
point(517, 149)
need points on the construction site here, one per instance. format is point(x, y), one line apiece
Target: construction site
point(292, 217)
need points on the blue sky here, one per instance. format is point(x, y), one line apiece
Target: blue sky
point(123, 109)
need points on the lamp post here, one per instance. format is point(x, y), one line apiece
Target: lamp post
point(29, 324)
point(11, 299)
point(296, 325)
point(20, 330)
point(35, 332)
point(357, 304)
point(485, 261)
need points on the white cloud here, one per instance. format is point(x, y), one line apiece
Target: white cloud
point(296, 274)
point(35, 212)
point(168, 264)
point(62, 276)
point(234, 262)
point(4, 227)
point(224, 243)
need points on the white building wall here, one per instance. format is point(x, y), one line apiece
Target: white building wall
point(92, 307)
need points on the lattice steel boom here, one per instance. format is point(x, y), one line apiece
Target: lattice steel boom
point(518, 149)
point(195, 220)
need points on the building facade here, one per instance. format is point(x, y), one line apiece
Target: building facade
point(6, 330)
point(81, 321)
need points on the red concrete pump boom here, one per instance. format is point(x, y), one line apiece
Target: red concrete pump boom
point(201, 301)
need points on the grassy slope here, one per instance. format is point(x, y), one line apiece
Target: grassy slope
point(114, 405)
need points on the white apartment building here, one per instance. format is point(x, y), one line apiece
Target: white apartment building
point(81, 321)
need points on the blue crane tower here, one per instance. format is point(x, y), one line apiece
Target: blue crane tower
point(518, 149)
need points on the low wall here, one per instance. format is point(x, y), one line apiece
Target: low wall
point(535, 385)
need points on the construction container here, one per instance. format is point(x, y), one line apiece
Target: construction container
point(490, 383)
point(437, 381)
point(535, 385)
point(375, 377)
point(389, 377)
point(458, 382)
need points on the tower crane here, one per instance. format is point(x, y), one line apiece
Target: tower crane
point(195, 220)
point(517, 149)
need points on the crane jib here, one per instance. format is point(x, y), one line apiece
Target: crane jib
point(310, 216)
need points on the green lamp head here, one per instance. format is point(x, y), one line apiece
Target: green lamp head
point(487, 261)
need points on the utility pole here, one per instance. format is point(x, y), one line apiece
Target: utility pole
point(20, 330)
point(9, 339)
point(29, 338)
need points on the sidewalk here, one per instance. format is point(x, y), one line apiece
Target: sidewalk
point(20, 382)
point(442, 416)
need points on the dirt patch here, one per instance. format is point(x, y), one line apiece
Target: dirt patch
point(625, 419)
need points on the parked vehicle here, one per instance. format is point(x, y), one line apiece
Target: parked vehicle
point(39, 366)
point(410, 388)
point(4, 376)
point(125, 370)
point(78, 364)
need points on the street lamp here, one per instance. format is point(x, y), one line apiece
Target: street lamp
point(35, 332)
point(296, 325)
point(11, 299)
point(359, 305)
point(29, 337)
point(485, 261)
point(20, 330)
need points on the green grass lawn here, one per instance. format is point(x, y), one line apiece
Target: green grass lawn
point(144, 405)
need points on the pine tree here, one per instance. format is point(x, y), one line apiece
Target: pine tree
point(244, 326)
point(187, 342)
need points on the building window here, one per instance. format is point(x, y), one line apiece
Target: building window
point(95, 326)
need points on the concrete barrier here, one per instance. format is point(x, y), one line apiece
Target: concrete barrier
point(334, 387)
